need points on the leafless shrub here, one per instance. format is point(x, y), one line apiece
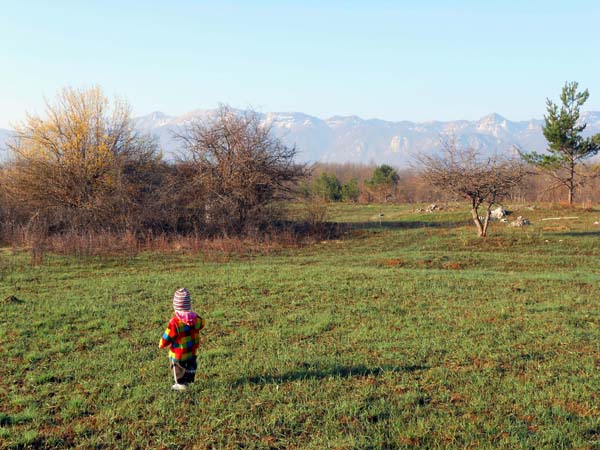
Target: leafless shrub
point(315, 212)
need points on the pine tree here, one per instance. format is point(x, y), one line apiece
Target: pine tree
point(384, 182)
point(351, 190)
point(327, 187)
point(567, 148)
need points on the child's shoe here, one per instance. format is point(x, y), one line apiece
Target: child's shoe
point(179, 387)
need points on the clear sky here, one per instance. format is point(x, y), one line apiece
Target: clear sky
point(396, 60)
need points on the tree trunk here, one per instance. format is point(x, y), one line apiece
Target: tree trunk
point(571, 195)
point(486, 222)
point(571, 182)
point(478, 224)
point(488, 213)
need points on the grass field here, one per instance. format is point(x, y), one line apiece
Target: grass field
point(408, 333)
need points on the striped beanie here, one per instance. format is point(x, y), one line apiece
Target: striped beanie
point(182, 300)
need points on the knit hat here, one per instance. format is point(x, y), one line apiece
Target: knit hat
point(182, 300)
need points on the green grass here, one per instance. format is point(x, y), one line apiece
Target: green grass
point(412, 332)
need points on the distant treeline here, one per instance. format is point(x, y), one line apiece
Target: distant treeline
point(364, 184)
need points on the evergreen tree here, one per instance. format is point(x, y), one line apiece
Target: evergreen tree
point(384, 175)
point(567, 148)
point(383, 182)
point(350, 190)
point(327, 187)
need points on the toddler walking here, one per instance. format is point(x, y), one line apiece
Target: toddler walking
point(182, 337)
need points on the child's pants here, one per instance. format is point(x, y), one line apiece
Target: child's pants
point(184, 372)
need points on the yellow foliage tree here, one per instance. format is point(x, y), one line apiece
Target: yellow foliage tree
point(70, 166)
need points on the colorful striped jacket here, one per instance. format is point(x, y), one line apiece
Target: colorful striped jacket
point(183, 338)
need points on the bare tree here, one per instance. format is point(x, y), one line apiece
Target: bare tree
point(240, 168)
point(465, 173)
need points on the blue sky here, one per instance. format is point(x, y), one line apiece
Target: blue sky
point(392, 60)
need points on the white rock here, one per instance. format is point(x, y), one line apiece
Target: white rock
point(519, 222)
point(498, 213)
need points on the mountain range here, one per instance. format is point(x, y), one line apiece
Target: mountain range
point(356, 140)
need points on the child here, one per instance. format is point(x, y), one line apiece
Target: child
point(182, 335)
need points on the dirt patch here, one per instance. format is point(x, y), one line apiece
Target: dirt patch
point(452, 266)
point(394, 262)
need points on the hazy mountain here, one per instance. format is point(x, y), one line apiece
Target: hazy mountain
point(352, 139)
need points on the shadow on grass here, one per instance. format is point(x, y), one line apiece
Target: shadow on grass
point(393, 225)
point(11, 299)
point(335, 230)
point(332, 372)
point(579, 233)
